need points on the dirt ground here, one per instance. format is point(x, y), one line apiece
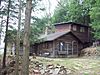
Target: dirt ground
point(74, 66)
point(69, 66)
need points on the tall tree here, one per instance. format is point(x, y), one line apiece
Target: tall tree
point(26, 43)
point(68, 10)
point(95, 17)
point(18, 40)
point(13, 12)
point(6, 37)
point(1, 24)
point(86, 7)
point(73, 10)
point(12, 15)
point(37, 28)
point(0, 1)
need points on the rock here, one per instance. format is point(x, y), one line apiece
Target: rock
point(68, 71)
point(56, 70)
point(4, 71)
point(36, 62)
point(50, 66)
point(36, 71)
point(90, 51)
point(11, 64)
point(31, 71)
point(10, 70)
point(47, 72)
point(62, 71)
point(58, 66)
point(20, 68)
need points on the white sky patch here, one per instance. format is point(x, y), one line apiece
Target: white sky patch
point(49, 5)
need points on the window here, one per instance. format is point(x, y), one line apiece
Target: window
point(74, 27)
point(82, 29)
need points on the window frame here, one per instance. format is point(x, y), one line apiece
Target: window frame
point(82, 29)
point(74, 28)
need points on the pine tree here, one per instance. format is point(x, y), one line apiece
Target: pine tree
point(6, 37)
point(26, 43)
point(18, 40)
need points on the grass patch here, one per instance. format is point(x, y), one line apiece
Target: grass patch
point(77, 65)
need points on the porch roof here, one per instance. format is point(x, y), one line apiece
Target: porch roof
point(56, 35)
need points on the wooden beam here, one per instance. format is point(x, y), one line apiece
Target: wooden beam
point(67, 50)
point(53, 48)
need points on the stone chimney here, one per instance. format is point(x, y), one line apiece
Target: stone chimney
point(46, 30)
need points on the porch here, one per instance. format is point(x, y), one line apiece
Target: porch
point(69, 49)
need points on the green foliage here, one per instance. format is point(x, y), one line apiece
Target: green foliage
point(68, 11)
point(73, 10)
point(95, 17)
point(37, 28)
point(60, 12)
point(11, 36)
point(80, 11)
point(12, 14)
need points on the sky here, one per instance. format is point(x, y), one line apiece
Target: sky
point(50, 6)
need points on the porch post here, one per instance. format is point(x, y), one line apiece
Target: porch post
point(77, 48)
point(53, 49)
point(72, 47)
point(67, 49)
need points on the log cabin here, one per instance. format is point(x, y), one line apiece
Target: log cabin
point(67, 41)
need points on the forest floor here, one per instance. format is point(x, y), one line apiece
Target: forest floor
point(86, 65)
point(75, 66)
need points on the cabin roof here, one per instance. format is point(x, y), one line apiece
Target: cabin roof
point(62, 23)
point(56, 35)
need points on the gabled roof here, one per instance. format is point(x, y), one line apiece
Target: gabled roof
point(62, 23)
point(56, 35)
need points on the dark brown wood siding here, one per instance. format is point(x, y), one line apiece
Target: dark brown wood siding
point(69, 39)
point(83, 36)
point(75, 40)
point(45, 47)
point(53, 46)
point(60, 28)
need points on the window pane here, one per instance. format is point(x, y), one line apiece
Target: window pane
point(74, 28)
point(82, 29)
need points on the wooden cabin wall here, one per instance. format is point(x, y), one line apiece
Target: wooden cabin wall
point(45, 47)
point(84, 36)
point(52, 46)
point(68, 39)
point(60, 28)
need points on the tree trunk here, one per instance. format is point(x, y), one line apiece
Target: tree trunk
point(18, 41)
point(1, 27)
point(6, 33)
point(26, 43)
